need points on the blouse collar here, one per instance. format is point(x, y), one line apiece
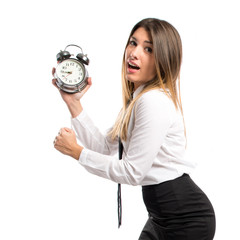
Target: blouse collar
point(138, 90)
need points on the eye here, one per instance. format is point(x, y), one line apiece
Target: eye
point(148, 49)
point(133, 43)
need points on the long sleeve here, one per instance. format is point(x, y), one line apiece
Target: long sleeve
point(155, 143)
point(90, 136)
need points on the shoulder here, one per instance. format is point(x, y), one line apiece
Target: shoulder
point(156, 106)
point(154, 110)
point(155, 99)
point(155, 93)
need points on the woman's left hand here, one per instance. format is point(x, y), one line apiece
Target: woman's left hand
point(66, 143)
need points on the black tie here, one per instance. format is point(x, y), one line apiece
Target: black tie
point(120, 151)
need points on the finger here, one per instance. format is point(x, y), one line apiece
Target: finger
point(55, 140)
point(67, 129)
point(89, 81)
point(53, 71)
point(54, 82)
point(88, 86)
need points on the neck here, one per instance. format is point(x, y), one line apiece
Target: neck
point(136, 85)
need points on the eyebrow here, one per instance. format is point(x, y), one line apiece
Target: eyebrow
point(150, 42)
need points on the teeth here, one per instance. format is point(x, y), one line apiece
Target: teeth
point(133, 65)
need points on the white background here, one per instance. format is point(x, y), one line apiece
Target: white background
point(46, 195)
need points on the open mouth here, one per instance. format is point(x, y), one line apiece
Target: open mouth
point(133, 66)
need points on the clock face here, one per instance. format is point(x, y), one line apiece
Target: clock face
point(70, 71)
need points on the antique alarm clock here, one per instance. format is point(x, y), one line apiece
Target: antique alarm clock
point(71, 72)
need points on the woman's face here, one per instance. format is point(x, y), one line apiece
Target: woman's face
point(139, 58)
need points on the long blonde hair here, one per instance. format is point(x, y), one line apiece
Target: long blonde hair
point(167, 49)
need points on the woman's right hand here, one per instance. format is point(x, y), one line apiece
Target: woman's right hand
point(72, 100)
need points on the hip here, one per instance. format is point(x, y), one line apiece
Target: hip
point(178, 202)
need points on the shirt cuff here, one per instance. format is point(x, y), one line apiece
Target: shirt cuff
point(81, 115)
point(83, 156)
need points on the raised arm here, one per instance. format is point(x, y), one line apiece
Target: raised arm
point(72, 100)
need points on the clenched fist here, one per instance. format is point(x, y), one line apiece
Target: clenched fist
point(66, 143)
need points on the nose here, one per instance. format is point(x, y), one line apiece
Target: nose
point(135, 52)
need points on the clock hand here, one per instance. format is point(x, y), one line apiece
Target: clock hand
point(68, 75)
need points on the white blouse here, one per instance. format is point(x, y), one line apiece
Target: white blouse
point(155, 146)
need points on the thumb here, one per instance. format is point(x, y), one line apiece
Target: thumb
point(87, 87)
point(67, 129)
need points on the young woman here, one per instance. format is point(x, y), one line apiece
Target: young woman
point(151, 128)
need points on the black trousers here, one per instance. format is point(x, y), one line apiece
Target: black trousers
point(178, 210)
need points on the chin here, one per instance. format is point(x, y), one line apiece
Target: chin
point(131, 78)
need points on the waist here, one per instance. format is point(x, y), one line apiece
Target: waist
point(162, 172)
